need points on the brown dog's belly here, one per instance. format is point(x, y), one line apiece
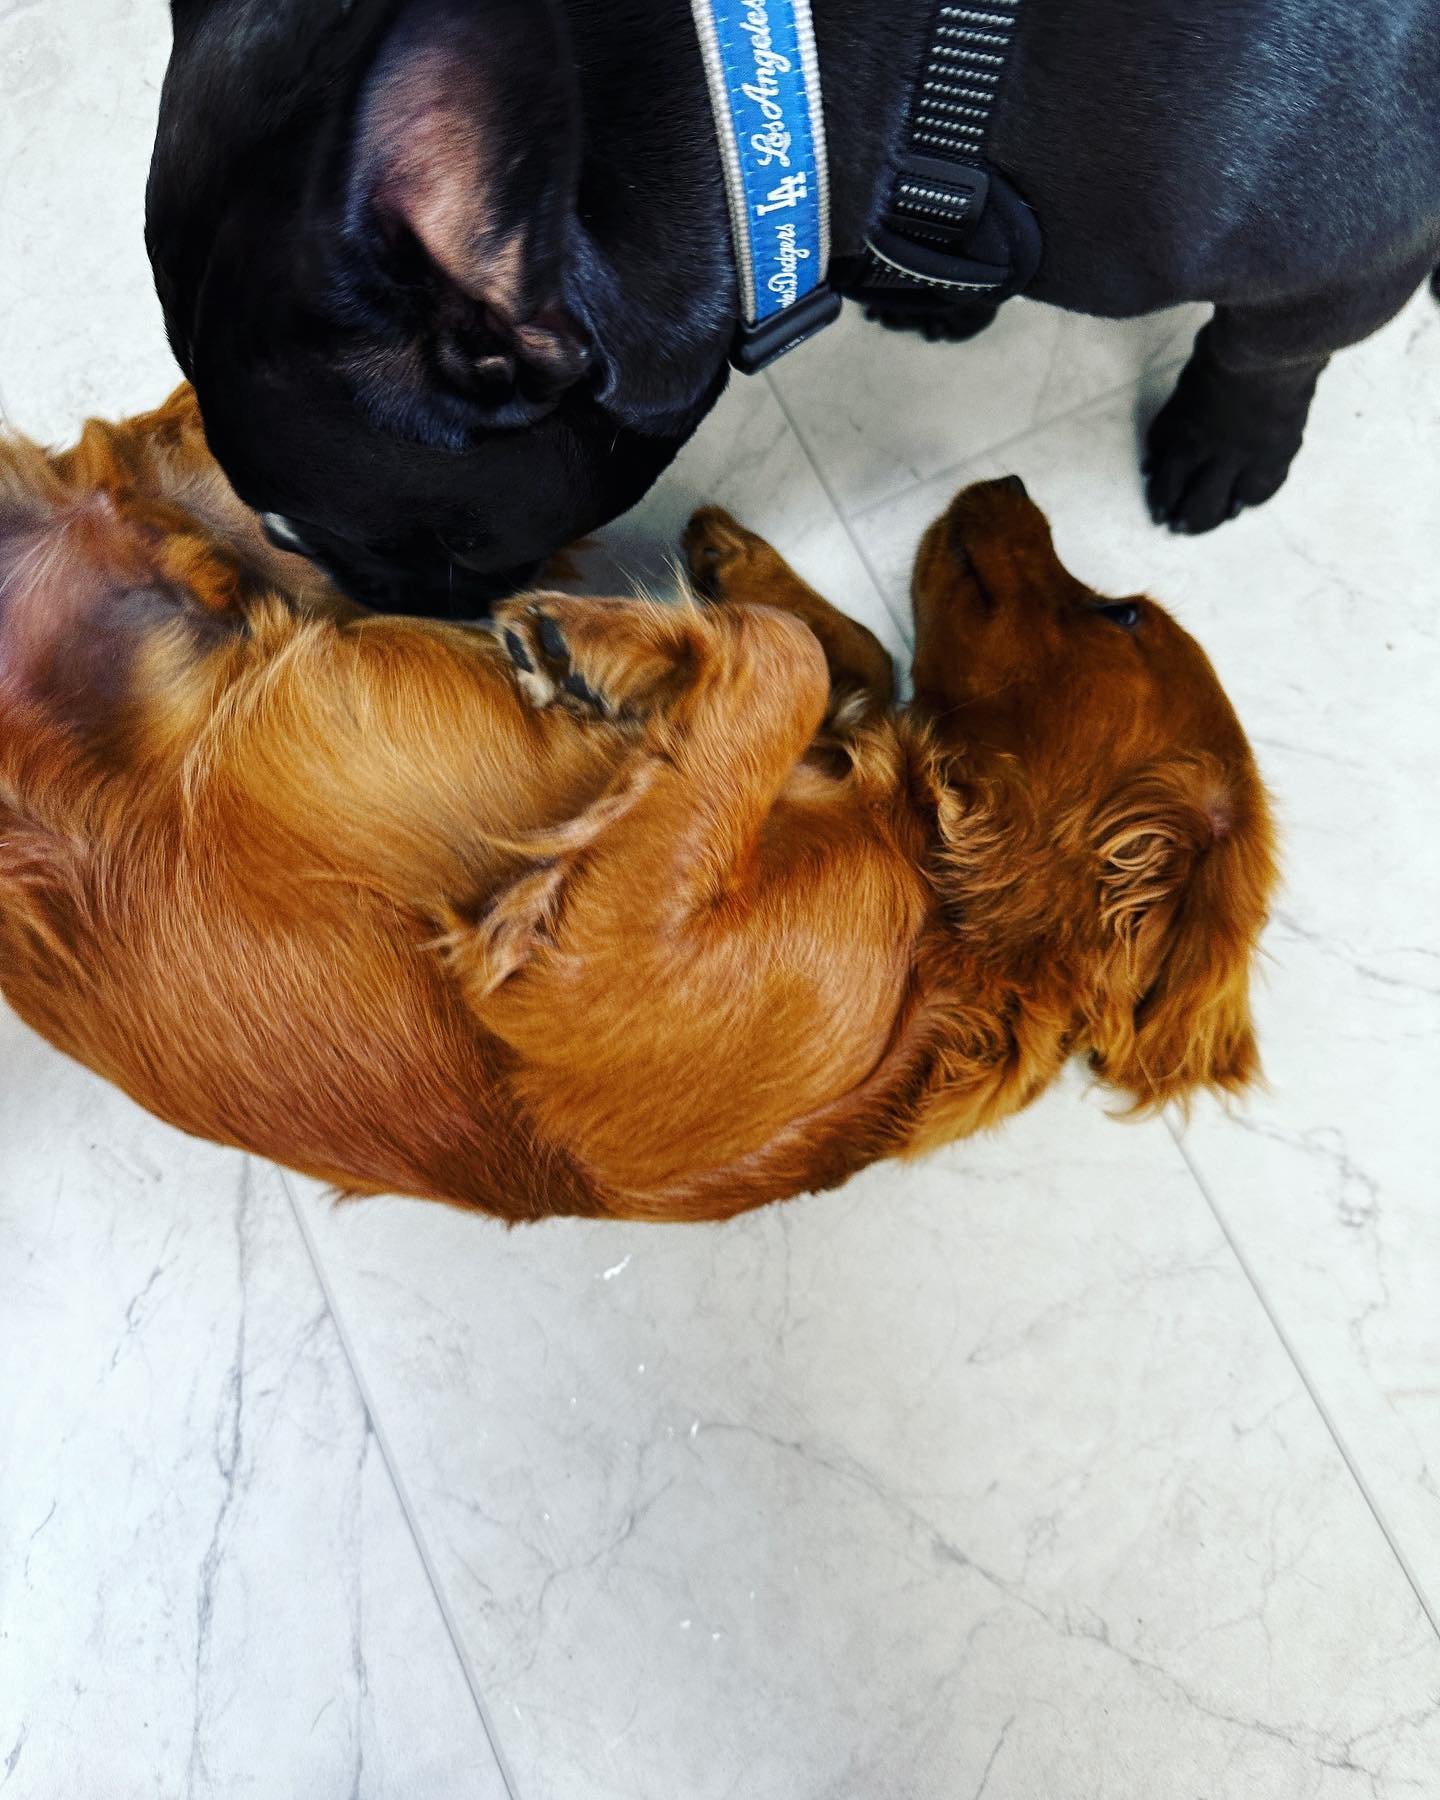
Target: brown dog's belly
point(335, 1044)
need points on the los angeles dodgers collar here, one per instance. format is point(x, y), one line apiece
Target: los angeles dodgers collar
point(764, 82)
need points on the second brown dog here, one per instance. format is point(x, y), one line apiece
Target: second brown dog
point(625, 908)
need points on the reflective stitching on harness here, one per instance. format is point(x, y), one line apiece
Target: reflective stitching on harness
point(953, 104)
point(933, 281)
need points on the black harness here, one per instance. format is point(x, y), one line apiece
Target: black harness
point(953, 227)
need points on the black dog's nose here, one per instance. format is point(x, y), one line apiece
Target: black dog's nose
point(426, 589)
point(1013, 485)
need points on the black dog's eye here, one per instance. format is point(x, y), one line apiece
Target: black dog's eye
point(1124, 613)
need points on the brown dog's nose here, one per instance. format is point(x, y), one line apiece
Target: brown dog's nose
point(1012, 484)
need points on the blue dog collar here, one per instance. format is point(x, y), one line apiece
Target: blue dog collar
point(759, 58)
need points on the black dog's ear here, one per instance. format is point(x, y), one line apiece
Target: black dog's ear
point(466, 150)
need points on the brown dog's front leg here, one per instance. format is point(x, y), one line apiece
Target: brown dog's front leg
point(725, 702)
point(731, 565)
point(680, 1002)
point(731, 700)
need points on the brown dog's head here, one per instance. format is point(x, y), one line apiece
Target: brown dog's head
point(133, 535)
point(1144, 861)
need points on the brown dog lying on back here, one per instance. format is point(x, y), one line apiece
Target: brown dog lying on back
point(623, 909)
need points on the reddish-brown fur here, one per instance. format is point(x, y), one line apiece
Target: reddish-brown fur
point(358, 894)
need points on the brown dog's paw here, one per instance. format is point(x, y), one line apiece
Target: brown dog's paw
point(532, 637)
point(604, 658)
point(724, 559)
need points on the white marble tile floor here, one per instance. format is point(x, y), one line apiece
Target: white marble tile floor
point(1094, 1461)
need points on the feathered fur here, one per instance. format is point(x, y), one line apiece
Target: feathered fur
point(616, 908)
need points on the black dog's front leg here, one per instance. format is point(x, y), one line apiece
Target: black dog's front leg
point(936, 320)
point(1226, 437)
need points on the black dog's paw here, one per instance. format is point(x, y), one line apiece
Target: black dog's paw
point(540, 653)
point(937, 323)
point(1224, 440)
point(1198, 477)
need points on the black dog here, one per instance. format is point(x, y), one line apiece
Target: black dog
point(453, 278)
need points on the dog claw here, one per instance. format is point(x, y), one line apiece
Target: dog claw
point(541, 656)
point(552, 640)
point(515, 645)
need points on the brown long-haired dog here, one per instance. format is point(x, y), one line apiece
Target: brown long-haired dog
point(622, 908)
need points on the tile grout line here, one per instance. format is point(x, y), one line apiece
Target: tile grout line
point(1032, 430)
point(1310, 1386)
point(902, 626)
point(402, 1497)
point(849, 518)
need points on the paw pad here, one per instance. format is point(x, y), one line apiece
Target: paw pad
point(538, 650)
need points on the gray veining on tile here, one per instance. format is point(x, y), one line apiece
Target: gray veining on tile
point(989, 1476)
point(207, 1586)
point(997, 1457)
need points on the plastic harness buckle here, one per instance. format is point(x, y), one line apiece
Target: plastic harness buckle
point(939, 203)
point(951, 221)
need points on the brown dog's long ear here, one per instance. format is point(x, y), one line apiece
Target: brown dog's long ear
point(464, 164)
point(1187, 868)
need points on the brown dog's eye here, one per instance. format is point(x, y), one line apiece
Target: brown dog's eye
point(1124, 613)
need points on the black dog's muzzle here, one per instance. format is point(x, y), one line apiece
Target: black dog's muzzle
point(435, 585)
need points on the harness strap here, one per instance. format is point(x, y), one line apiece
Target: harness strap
point(951, 223)
point(764, 82)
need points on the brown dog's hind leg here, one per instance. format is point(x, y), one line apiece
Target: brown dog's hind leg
point(731, 565)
